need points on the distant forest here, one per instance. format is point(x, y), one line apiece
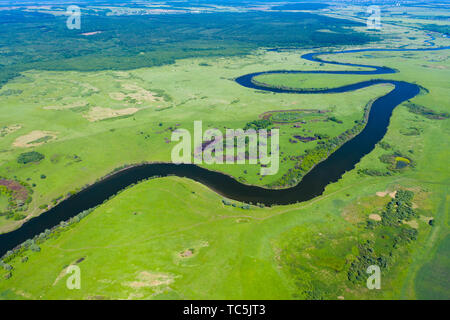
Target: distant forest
point(301, 6)
point(31, 40)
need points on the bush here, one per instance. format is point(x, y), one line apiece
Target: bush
point(258, 124)
point(385, 145)
point(28, 157)
point(27, 243)
point(19, 216)
point(34, 247)
point(334, 119)
point(7, 267)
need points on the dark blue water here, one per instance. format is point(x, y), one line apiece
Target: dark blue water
point(312, 185)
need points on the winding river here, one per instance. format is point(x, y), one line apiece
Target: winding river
point(312, 185)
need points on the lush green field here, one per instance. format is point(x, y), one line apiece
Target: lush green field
point(432, 280)
point(306, 81)
point(139, 251)
point(89, 141)
point(234, 248)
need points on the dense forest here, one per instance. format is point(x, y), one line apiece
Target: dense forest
point(32, 40)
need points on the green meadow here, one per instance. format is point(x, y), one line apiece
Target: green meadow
point(140, 250)
point(173, 238)
point(90, 137)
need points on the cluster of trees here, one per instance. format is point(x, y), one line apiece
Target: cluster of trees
point(32, 245)
point(8, 268)
point(428, 113)
point(396, 211)
point(367, 257)
point(258, 124)
point(374, 172)
point(32, 156)
point(334, 119)
point(242, 206)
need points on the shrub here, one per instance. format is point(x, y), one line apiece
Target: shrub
point(385, 145)
point(34, 247)
point(19, 216)
point(334, 119)
point(7, 267)
point(27, 243)
point(428, 113)
point(258, 124)
point(28, 157)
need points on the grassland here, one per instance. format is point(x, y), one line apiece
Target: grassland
point(302, 81)
point(142, 240)
point(432, 279)
point(163, 97)
point(234, 248)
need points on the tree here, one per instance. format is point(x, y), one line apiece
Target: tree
point(34, 247)
point(28, 157)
